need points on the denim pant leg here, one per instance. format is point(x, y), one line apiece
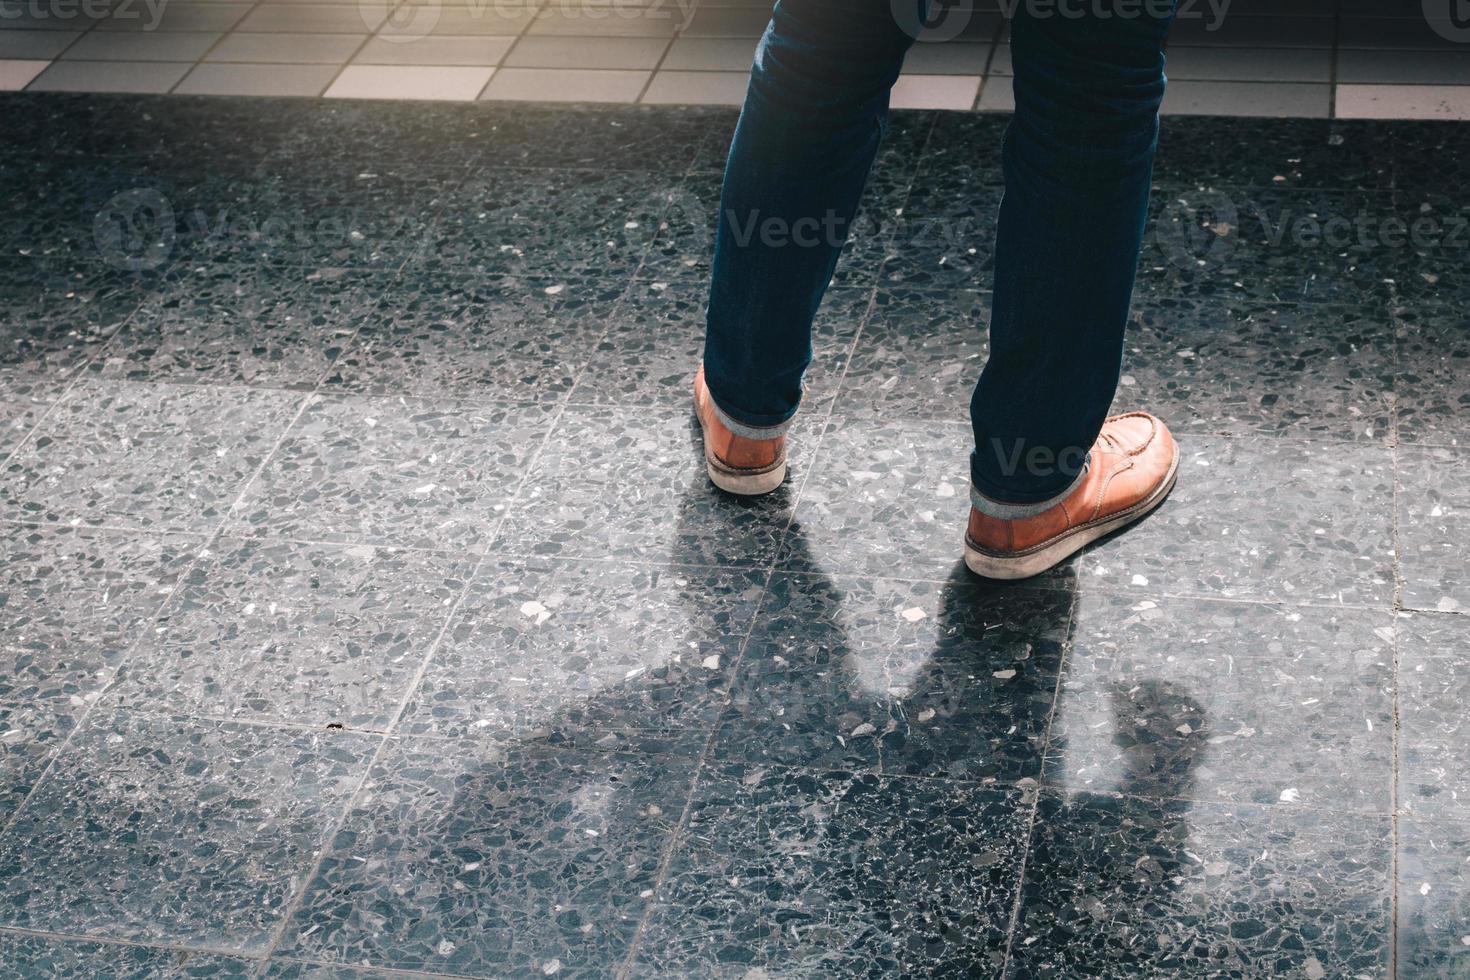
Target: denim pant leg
point(813, 117)
point(1078, 160)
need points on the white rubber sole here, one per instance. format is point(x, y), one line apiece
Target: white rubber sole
point(1028, 563)
point(746, 484)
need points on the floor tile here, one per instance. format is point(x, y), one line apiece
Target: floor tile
point(482, 51)
point(655, 343)
point(1276, 153)
point(177, 15)
point(479, 858)
point(33, 731)
point(77, 960)
point(1216, 28)
point(1249, 64)
point(443, 83)
point(697, 88)
point(77, 600)
point(54, 317)
point(603, 138)
point(417, 20)
point(144, 456)
point(785, 873)
point(1433, 681)
point(1388, 66)
point(1321, 534)
point(919, 356)
point(1119, 885)
point(913, 91)
point(1207, 700)
point(547, 223)
point(1427, 263)
point(1403, 101)
point(405, 140)
point(153, 143)
point(547, 645)
point(963, 149)
point(685, 243)
point(636, 53)
point(996, 95)
point(711, 54)
point(1413, 33)
point(1279, 245)
point(1216, 98)
point(284, 968)
point(948, 680)
point(1432, 402)
point(741, 22)
point(613, 20)
point(17, 74)
point(264, 326)
point(1433, 516)
point(394, 471)
point(952, 58)
point(1241, 366)
point(945, 235)
point(478, 337)
point(138, 46)
point(317, 635)
point(1433, 898)
point(631, 483)
point(230, 79)
point(25, 45)
point(566, 85)
point(130, 834)
point(17, 15)
point(24, 399)
point(325, 49)
point(108, 76)
point(353, 219)
point(314, 18)
point(885, 497)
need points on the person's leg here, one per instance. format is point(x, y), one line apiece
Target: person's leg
point(814, 114)
point(1078, 159)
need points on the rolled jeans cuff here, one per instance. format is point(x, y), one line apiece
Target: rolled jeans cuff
point(1003, 511)
point(759, 433)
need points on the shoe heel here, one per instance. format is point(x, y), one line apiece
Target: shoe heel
point(747, 484)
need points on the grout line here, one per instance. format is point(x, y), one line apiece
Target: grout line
point(137, 641)
point(1395, 313)
point(73, 937)
point(1332, 61)
point(334, 827)
point(537, 9)
point(1041, 782)
point(255, 5)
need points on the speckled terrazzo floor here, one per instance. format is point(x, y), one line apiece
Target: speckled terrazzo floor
point(365, 607)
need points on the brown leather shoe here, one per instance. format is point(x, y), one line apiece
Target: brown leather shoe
point(1132, 469)
point(747, 467)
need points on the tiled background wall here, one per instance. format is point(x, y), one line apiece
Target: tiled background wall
point(1312, 58)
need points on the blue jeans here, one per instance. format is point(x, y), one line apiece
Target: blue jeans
point(1077, 161)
